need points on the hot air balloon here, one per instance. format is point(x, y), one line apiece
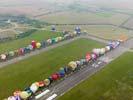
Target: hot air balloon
point(55, 77)
point(102, 51)
point(11, 98)
point(93, 56)
point(34, 87)
point(38, 45)
point(16, 93)
point(33, 43)
point(53, 40)
point(21, 51)
point(72, 65)
point(88, 57)
point(62, 72)
point(28, 90)
point(24, 95)
point(43, 44)
point(47, 82)
point(78, 30)
point(3, 57)
point(49, 41)
point(16, 52)
point(11, 53)
point(40, 84)
point(107, 48)
point(53, 28)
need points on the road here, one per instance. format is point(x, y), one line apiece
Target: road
point(71, 81)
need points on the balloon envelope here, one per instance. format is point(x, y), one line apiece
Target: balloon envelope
point(40, 84)
point(72, 65)
point(24, 95)
point(34, 87)
point(47, 82)
point(94, 56)
point(3, 56)
point(55, 77)
point(11, 53)
point(49, 41)
point(11, 98)
point(38, 45)
point(88, 56)
point(33, 43)
point(16, 93)
point(30, 47)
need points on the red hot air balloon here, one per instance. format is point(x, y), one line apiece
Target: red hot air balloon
point(88, 57)
point(33, 43)
point(55, 76)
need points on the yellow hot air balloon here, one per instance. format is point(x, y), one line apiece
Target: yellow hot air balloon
point(72, 65)
point(38, 45)
point(47, 82)
point(24, 95)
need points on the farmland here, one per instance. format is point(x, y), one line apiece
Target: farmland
point(38, 36)
point(21, 74)
point(114, 82)
point(104, 31)
point(84, 18)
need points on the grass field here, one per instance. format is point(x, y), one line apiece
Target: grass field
point(23, 73)
point(108, 32)
point(114, 82)
point(15, 44)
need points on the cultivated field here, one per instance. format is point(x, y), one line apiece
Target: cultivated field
point(114, 82)
point(129, 24)
point(22, 74)
point(38, 36)
point(71, 17)
point(104, 31)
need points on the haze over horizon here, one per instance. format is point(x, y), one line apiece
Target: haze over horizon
point(115, 3)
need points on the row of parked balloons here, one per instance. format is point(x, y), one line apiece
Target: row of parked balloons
point(64, 71)
point(34, 45)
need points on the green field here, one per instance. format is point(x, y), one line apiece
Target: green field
point(114, 82)
point(15, 44)
point(21, 74)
